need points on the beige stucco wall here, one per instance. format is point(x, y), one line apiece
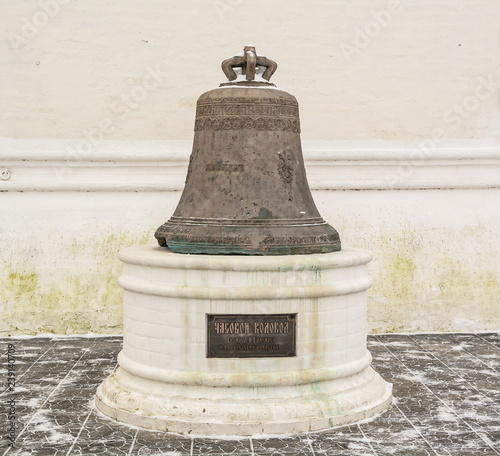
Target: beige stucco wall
point(403, 97)
point(361, 69)
point(431, 222)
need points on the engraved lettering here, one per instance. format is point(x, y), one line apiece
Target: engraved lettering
point(242, 336)
point(232, 328)
point(225, 167)
point(248, 101)
point(250, 123)
point(247, 109)
point(271, 328)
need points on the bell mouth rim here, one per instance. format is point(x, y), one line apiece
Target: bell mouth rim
point(249, 240)
point(270, 250)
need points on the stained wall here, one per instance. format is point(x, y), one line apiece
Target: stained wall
point(399, 106)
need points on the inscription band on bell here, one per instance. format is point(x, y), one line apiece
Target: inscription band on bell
point(224, 167)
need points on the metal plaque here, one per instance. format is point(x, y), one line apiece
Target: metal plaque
point(251, 336)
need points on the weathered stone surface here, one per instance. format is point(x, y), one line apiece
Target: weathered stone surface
point(302, 317)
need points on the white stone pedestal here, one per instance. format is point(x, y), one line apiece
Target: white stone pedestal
point(166, 382)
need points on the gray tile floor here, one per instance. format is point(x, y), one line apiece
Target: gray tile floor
point(446, 388)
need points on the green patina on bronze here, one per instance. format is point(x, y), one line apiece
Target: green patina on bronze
point(246, 189)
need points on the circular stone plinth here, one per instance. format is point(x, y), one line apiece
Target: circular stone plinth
point(166, 381)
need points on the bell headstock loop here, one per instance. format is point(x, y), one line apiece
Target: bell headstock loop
point(248, 62)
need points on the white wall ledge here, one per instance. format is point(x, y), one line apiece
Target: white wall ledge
point(139, 166)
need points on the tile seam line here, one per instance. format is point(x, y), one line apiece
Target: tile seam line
point(479, 336)
point(86, 350)
point(79, 433)
point(44, 402)
point(445, 404)
point(456, 373)
point(367, 440)
point(417, 430)
point(133, 443)
point(481, 361)
point(478, 358)
point(311, 447)
point(3, 393)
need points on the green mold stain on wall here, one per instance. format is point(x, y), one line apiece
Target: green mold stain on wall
point(22, 284)
point(75, 295)
point(401, 276)
point(473, 289)
point(393, 290)
point(420, 284)
point(428, 281)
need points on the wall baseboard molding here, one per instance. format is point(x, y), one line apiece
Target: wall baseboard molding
point(138, 166)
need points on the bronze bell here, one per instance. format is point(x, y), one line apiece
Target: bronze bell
point(246, 189)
